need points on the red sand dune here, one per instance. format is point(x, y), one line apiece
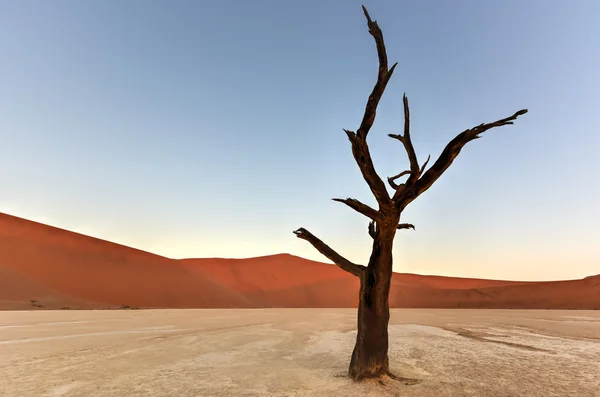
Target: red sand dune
point(56, 268)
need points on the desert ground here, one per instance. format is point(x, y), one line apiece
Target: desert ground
point(295, 352)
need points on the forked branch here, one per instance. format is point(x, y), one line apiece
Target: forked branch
point(391, 179)
point(450, 152)
point(416, 170)
point(406, 141)
point(424, 165)
point(333, 256)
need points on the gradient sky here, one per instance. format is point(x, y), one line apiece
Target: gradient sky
point(214, 129)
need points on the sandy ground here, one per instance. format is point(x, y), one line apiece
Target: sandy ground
point(295, 352)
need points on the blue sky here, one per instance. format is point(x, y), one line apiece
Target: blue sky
point(214, 129)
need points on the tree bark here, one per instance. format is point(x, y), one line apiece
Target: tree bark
point(370, 355)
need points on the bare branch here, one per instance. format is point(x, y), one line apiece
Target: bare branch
point(383, 77)
point(415, 169)
point(424, 165)
point(450, 152)
point(406, 141)
point(391, 179)
point(333, 256)
point(401, 186)
point(360, 149)
point(360, 207)
point(405, 226)
point(410, 150)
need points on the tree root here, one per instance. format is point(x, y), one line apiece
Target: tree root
point(406, 381)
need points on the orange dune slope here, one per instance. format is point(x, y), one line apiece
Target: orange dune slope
point(60, 268)
point(46, 267)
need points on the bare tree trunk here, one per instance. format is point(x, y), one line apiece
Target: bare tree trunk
point(370, 355)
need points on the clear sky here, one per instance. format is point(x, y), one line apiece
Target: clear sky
point(214, 129)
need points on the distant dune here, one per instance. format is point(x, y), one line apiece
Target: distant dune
point(46, 267)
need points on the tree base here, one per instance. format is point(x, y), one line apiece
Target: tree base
point(367, 375)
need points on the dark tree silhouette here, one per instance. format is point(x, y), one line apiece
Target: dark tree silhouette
point(370, 355)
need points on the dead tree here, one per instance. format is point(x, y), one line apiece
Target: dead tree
point(370, 355)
